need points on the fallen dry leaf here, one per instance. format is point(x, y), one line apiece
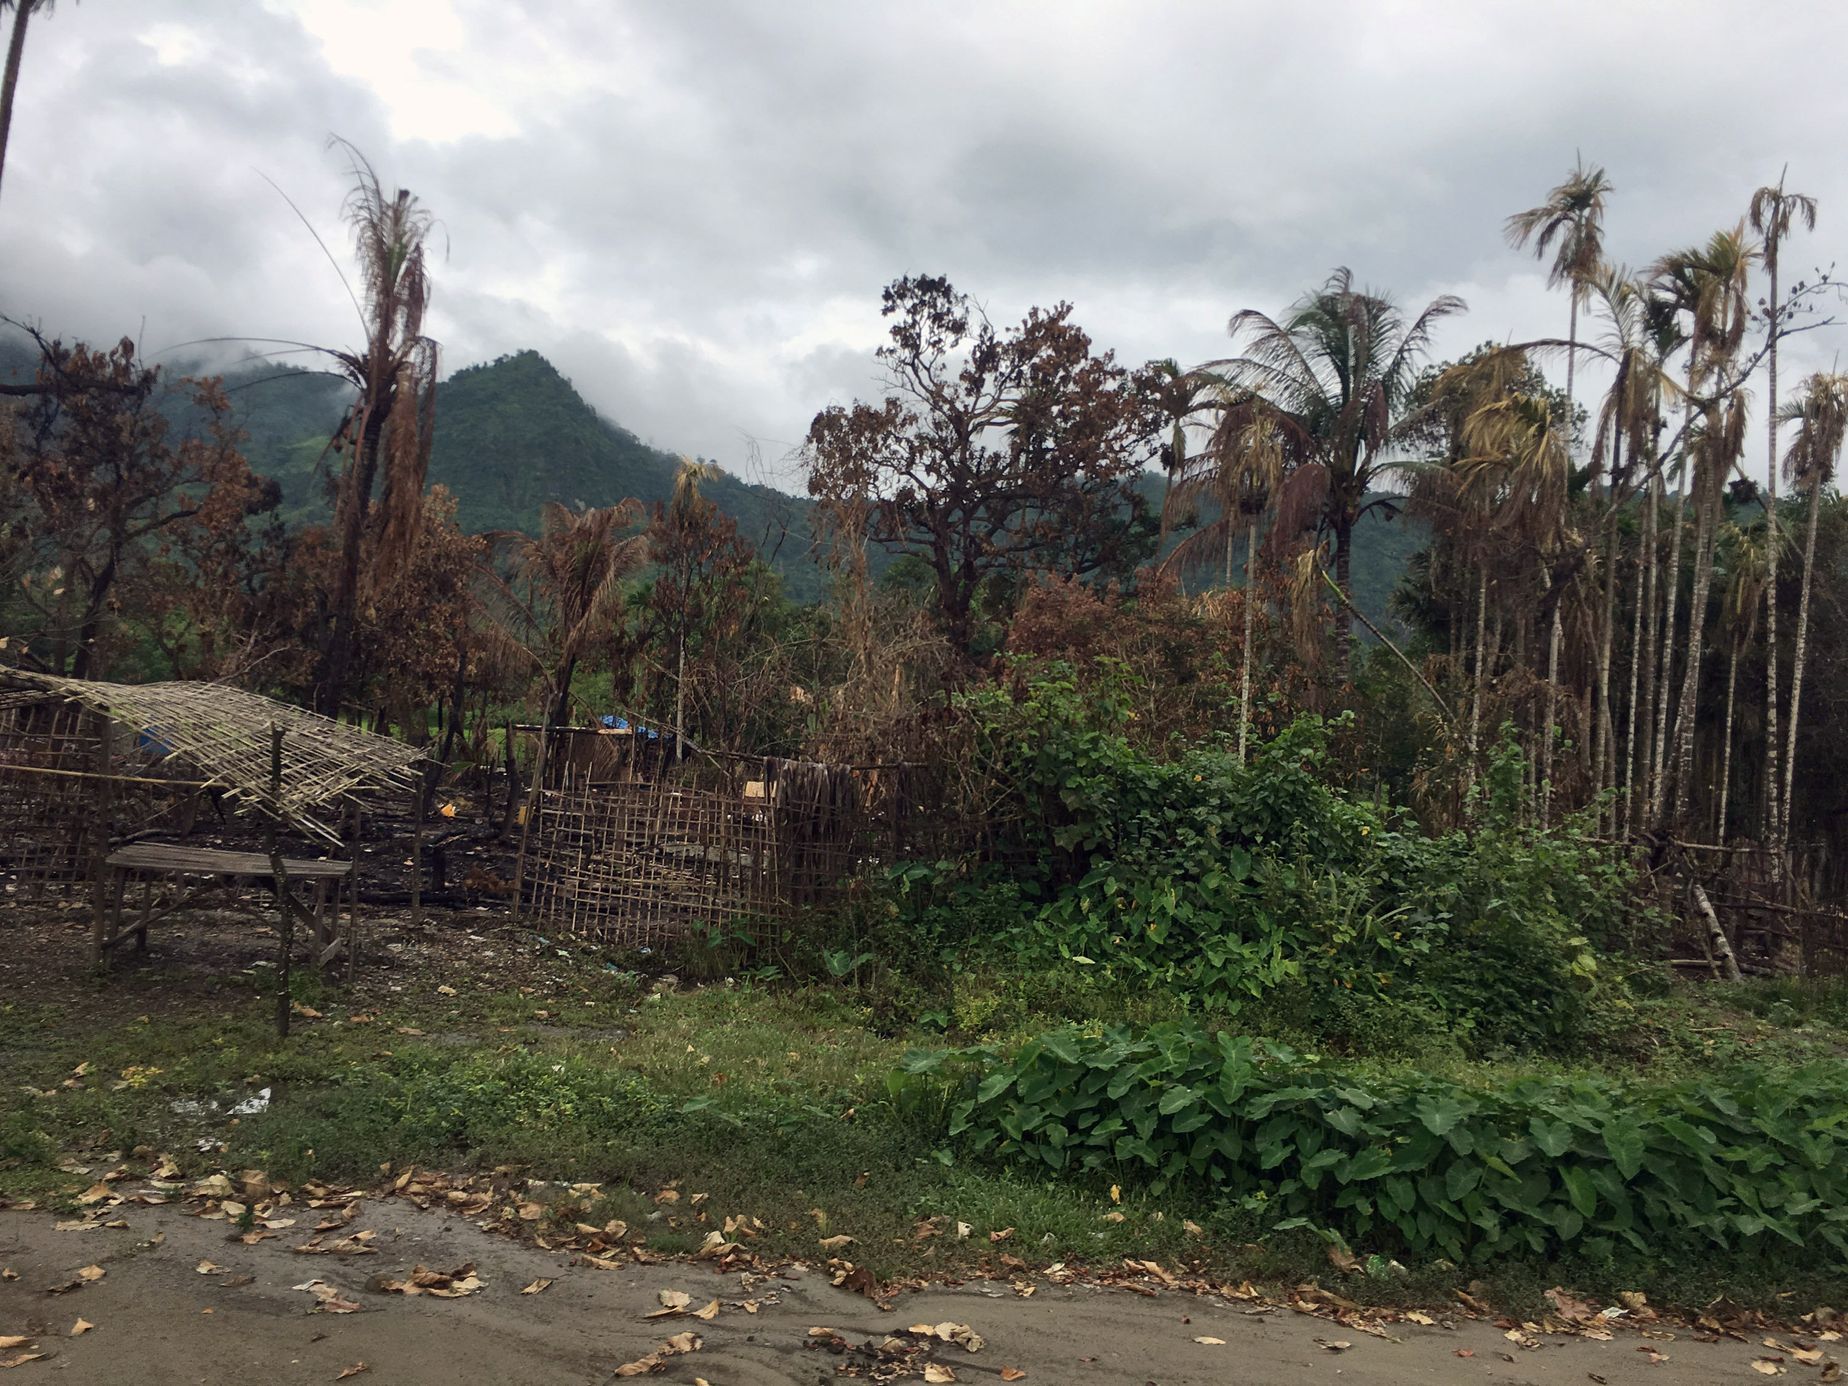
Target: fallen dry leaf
point(1333, 1344)
point(538, 1287)
point(1210, 1341)
point(673, 1347)
point(1002, 1235)
point(835, 1243)
point(1013, 1374)
point(327, 1298)
point(81, 1327)
point(1766, 1367)
point(936, 1372)
point(675, 1299)
point(91, 1274)
point(1465, 1352)
point(1423, 1319)
point(353, 1370)
point(208, 1268)
point(709, 1313)
point(19, 1359)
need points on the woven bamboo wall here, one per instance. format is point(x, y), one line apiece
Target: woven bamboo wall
point(748, 850)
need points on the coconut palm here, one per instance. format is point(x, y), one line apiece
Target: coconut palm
point(1820, 412)
point(1710, 283)
point(23, 10)
point(386, 435)
point(1774, 213)
point(1572, 216)
point(1340, 367)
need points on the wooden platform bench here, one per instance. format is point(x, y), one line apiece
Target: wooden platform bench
point(197, 870)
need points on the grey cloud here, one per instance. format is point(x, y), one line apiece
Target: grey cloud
point(693, 192)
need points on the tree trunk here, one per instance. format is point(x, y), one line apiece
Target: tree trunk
point(355, 504)
point(1244, 657)
point(1716, 936)
point(1344, 580)
point(1572, 293)
point(9, 83)
point(1643, 653)
point(1550, 729)
point(1799, 654)
point(1665, 672)
point(1732, 678)
point(1475, 697)
point(1705, 531)
point(1604, 764)
point(1772, 799)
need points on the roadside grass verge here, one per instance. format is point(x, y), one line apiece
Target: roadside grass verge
point(776, 1103)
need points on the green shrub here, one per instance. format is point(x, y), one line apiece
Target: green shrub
point(1739, 1161)
point(1226, 882)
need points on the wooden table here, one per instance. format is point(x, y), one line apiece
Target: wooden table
point(201, 869)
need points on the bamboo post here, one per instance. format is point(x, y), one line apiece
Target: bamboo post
point(417, 852)
point(99, 857)
point(526, 825)
point(286, 925)
point(352, 837)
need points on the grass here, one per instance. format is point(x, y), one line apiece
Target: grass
point(771, 1100)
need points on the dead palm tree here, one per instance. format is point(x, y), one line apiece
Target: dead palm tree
point(1774, 212)
point(572, 575)
point(1517, 469)
point(23, 10)
point(386, 435)
point(1572, 216)
point(1820, 412)
point(1710, 283)
point(1341, 367)
point(1241, 473)
point(685, 505)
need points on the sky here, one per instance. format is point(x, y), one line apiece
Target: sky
point(691, 206)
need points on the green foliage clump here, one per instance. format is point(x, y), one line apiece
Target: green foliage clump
point(1226, 882)
point(1739, 1161)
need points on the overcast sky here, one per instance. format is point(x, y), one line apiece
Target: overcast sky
point(691, 206)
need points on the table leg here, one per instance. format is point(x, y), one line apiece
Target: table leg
point(147, 914)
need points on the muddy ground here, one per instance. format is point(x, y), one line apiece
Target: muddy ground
point(158, 1319)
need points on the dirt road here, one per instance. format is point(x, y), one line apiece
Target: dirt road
point(159, 1319)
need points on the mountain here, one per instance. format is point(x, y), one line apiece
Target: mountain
point(513, 433)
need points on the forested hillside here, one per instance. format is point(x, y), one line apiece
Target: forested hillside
point(514, 433)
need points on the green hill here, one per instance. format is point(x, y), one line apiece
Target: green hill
point(513, 433)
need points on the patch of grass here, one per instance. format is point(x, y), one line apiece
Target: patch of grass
point(773, 1101)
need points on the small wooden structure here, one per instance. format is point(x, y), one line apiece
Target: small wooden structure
point(746, 846)
point(202, 868)
point(97, 779)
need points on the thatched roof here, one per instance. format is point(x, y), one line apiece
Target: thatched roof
point(223, 734)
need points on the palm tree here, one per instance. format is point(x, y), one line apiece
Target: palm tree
point(685, 507)
point(573, 572)
point(1241, 473)
point(1710, 284)
point(1820, 412)
point(1773, 213)
point(23, 10)
point(392, 420)
point(1519, 470)
point(1572, 215)
point(1744, 572)
point(1340, 368)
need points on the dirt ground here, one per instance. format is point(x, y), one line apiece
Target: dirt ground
point(159, 1318)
